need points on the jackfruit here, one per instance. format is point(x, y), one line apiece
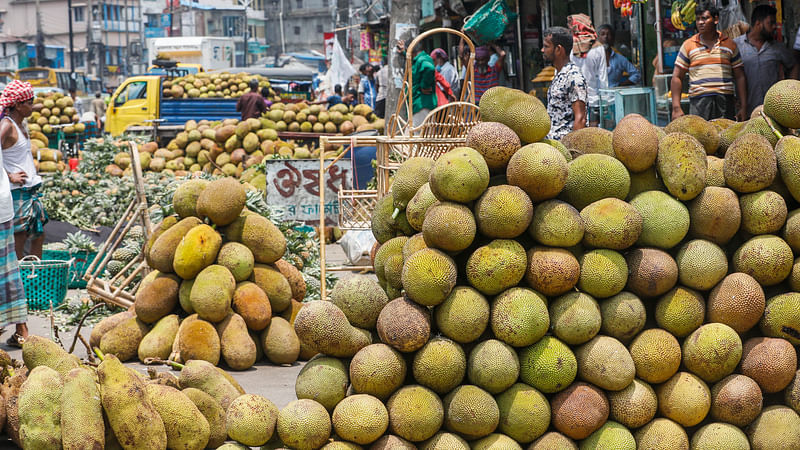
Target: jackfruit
point(212, 293)
point(635, 143)
point(645, 181)
point(633, 406)
point(157, 343)
point(611, 223)
point(737, 301)
point(39, 410)
point(715, 215)
point(521, 112)
point(392, 442)
point(444, 440)
point(556, 224)
point(323, 327)
point(132, 417)
point(417, 207)
point(606, 363)
point(496, 142)
point(574, 318)
point(551, 440)
point(750, 164)
point(680, 311)
point(782, 317)
point(715, 175)
point(757, 126)
point(701, 264)
point(83, 425)
point(237, 348)
point(158, 298)
point(260, 235)
point(197, 250)
point(656, 355)
point(538, 169)
point(186, 427)
point(665, 220)
point(684, 398)
point(38, 351)
point(429, 276)
point(524, 413)
point(280, 342)
point(124, 339)
point(519, 317)
point(652, 272)
point(603, 273)
point(471, 412)
point(361, 299)
point(770, 362)
point(460, 175)
point(449, 227)
point(590, 140)
point(780, 104)
point(736, 399)
point(766, 258)
point(274, 284)
point(415, 413)
point(463, 316)
point(593, 177)
point(787, 152)
point(662, 434)
point(503, 212)
point(548, 365)
point(682, 165)
point(411, 175)
point(238, 259)
point(213, 413)
point(184, 200)
point(579, 410)
point(204, 376)
point(440, 365)
point(103, 326)
point(323, 379)
point(377, 370)
point(404, 325)
point(623, 316)
point(294, 277)
point(360, 418)
point(610, 435)
point(496, 441)
point(551, 271)
point(776, 427)
point(712, 351)
point(162, 252)
point(705, 132)
point(251, 419)
point(495, 267)
point(720, 435)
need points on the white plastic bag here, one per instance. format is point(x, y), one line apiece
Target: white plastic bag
point(357, 245)
point(731, 16)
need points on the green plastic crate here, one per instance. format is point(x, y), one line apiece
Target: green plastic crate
point(45, 281)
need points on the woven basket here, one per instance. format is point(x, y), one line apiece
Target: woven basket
point(82, 259)
point(45, 281)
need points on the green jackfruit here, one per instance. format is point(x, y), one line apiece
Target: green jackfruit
point(158, 298)
point(184, 201)
point(124, 339)
point(39, 409)
point(377, 370)
point(575, 317)
point(750, 164)
point(440, 365)
point(611, 223)
point(496, 266)
point(157, 343)
point(185, 425)
point(280, 342)
point(665, 220)
point(538, 169)
point(503, 212)
point(416, 208)
point(521, 112)
point(204, 376)
point(222, 201)
point(162, 251)
point(82, 427)
point(213, 413)
point(460, 175)
point(415, 413)
point(260, 235)
point(593, 177)
point(197, 250)
point(495, 141)
point(238, 259)
point(556, 224)
point(322, 326)
point(38, 351)
point(705, 132)
point(323, 379)
point(361, 299)
point(449, 227)
point(590, 140)
point(463, 316)
point(212, 293)
point(548, 365)
point(787, 152)
point(408, 179)
point(428, 276)
point(237, 348)
point(304, 424)
point(635, 143)
point(274, 284)
point(682, 165)
point(519, 317)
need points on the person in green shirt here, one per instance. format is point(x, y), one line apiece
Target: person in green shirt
point(423, 91)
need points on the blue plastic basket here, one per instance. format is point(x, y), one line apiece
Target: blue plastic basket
point(82, 260)
point(45, 281)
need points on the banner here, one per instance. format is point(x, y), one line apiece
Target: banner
point(329, 38)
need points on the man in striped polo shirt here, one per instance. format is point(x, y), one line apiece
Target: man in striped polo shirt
point(713, 63)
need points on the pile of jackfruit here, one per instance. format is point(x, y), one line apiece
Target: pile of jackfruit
point(634, 288)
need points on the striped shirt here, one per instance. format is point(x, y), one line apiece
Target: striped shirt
point(710, 70)
point(486, 80)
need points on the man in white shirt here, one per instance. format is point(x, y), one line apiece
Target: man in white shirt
point(594, 70)
point(383, 89)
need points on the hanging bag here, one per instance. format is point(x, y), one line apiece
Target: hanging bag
point(489, 22)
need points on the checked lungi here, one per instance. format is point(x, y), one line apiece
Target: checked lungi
point(13, 304)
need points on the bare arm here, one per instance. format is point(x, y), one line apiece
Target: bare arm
point(501, 54)
point(676, 86)
point(741, 91)
point(579, 111)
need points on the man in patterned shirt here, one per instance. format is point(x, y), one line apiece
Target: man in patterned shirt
point(566, 98)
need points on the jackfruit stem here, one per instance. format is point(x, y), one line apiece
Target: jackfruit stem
point(174, 364)
point(769, 124)
point(10, 371)
point(395, 213)
point(99, 354)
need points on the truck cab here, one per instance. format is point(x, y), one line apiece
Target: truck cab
point(135, 101)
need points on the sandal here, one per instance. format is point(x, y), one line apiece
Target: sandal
point(15, 341)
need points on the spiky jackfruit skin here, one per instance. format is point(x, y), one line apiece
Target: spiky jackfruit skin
point(767, 258)
point(697, 127)
point(416, 208)
point(590, 140)
point(606, 363)
point(471, 412)
point(39, 409)
point(222, 201)
point(460, 175)
point(579, 410)
point(523, 113)
point(662, 433)
point(750, 164)
point(624, 316)
point(186, 427)
point(736, 399)
point(361, 299)
point(503, 212)
point(635, 143)
point(782, 317)
point(604, 273)
point(184, 201)
point(714, 171)
point(737, 301)
point(260, 235)
point(197, 250)
point(157, 343)
point(656, 355)
point(715, 215)
point(552, 271)
point(524, 413)
point(440, 365)
point(538, 169)
point(712, 351)
point(323, 379)
point(497, 266)
point(411, 175)
point(463, 316)
point(611, 223)
point(360, 418)
point(449, 227)
point(684, 398)
point(404, 325)
point(493, 366)
point(415, 413)
point(377, 370)
point(634, 406)
point(682, 165)
point(213, 413)
point(38, 351)
point(519, 317)
point(652, 272)
point(665, 220)
point(556, 224)
point(496, 441)
point(719, 435)
point(781, 104)
point(83, 425)
point(495, 141)
point(757, 126)
point(770, 362)
point(548, 365)
point(322, 326)
point(444, 441)
point(787, 151)
point(777, 426)
point(647, 180)
point(593, 177)
point(701, 264)
point(574, 317)
point(680, 311)
point(251, 419)
point(611, 435)
point(428, 276)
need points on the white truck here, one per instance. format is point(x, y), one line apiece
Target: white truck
point(201, 52)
